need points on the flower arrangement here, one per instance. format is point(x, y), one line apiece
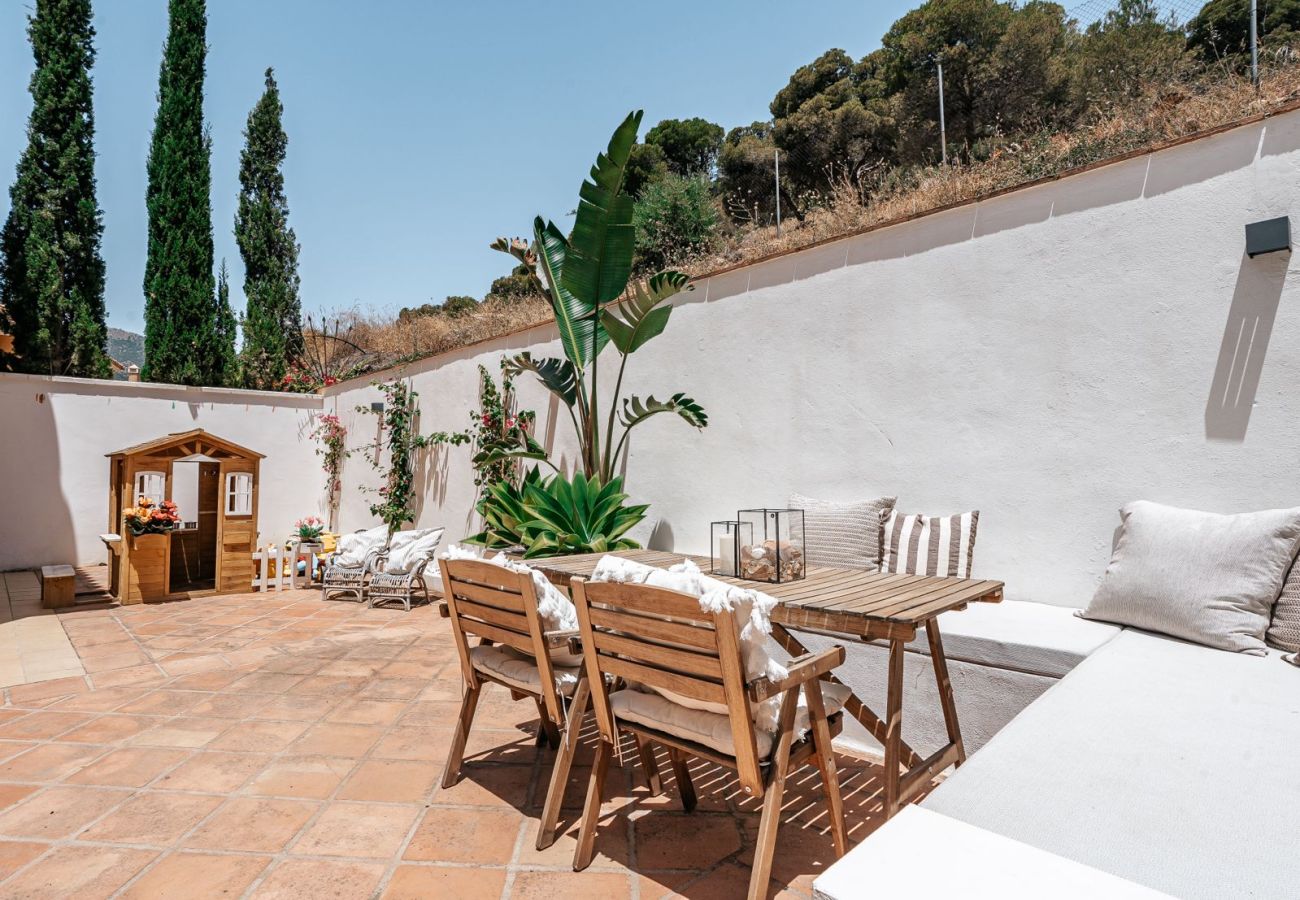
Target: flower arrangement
point(308, 530)
point(148, 517)
point(330, 435)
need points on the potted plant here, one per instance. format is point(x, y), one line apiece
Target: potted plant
point(148, 517)
point(307, 532)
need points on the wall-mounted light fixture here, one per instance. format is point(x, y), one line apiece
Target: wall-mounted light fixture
point(1268, 236)
point(377, 408)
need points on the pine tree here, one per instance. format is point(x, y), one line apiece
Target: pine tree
point(273, 317)
point(183, 335)
point(51, 271)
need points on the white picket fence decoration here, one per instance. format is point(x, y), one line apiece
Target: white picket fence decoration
point(269, 565)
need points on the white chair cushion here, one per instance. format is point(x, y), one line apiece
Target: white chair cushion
point(709, 728)
point(413, 547)
point(353, 547)
point(520, 670)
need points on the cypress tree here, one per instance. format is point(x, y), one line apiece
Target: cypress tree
point(224, 345)
point(273, 317)
point(184, 336)
point(51, 271)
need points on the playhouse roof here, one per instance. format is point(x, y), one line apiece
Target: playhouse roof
point(189, 443)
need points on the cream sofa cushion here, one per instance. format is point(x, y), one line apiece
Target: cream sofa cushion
point(520, 670)
point(843, 534)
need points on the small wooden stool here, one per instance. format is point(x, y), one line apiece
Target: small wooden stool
point(58, 587)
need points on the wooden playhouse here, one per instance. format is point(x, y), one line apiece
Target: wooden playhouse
point(215, 483)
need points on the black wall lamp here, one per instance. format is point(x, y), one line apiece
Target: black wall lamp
point(1268, 236)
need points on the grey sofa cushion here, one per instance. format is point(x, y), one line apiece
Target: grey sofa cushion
point(1284, 630)
point(1147, 761)
point(1199, 576)
point(843, 534)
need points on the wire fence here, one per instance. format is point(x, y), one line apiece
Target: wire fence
point(1090, 11)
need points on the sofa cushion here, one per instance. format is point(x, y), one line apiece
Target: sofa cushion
point(1199, 576)
point(1155, 760)
point(407, 548)
point(1284, 629)
point(843, 534)
point(709, 728)
point(929, 545)
point(354, 547)
point(1037, 638)
point(519, 669)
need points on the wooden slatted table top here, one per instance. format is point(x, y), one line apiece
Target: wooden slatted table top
point(868, 604)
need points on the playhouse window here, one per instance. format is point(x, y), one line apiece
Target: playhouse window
point(150, 484)
point(239, 494)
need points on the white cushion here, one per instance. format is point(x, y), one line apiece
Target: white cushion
point(898, 860)
point(843, 534)
point(1156, 760)
point(520, 670)
point(710, 728)
point(414, 546)
point(1198, 576)
point(353, 548)
point(1037, 638)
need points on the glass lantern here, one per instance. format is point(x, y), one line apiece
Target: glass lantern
point(725, 542)
point(772, 549)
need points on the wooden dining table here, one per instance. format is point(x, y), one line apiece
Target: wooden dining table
point(860, 606)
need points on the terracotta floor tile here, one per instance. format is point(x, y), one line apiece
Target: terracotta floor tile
point(313, 777)
point(415, 742)
point(128, 767)
point(425, 882)
point(392, 781)
point(48, 762)
point(320, 880)
point(207, 681)
point(133, 675)
point(571, 886)
point(58, 812)
point(367, 712)
point(182, 732)
point(16, 854)
point(265, 683)
point(210, 771)
point(197, 876)
point(253, 824)
point(85, 873)
point(485, 784)
point(44, 690)
point(152, 818)
point(41, 725)
point(111, 661)
point(337, 739)
point(684, 841)
point(12, 793)
point(161, 703)
point(262, 737)
point(328, 686)
point(350, 668)
point(611, 842)
point(102, 700)
point(293, 708)
point(358, 829)
point(230, 706)
point(465, 835)
point(108, 729)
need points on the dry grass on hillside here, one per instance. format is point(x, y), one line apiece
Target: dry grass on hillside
point(1162, 115)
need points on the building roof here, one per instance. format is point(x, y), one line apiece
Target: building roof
point(188, 443)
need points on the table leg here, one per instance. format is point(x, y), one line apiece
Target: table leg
point(944, 684)
point(893, 727)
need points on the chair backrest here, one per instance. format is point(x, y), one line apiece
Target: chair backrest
point(500, 606)
point(662, 639)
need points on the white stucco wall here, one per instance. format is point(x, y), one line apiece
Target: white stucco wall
point(57, 430)
point(1044, 357)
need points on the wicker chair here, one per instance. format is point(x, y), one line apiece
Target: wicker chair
point(404, 586)
point(340, 580)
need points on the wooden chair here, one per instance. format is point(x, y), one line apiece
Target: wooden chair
point(499, 607)
point(662, 639)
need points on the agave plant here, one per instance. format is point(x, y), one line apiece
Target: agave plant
point(585, 274)
point(554, 516)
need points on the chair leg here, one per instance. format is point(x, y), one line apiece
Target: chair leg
point(683, 775)
point(456, 754)
point(591, 808)
point(825, 758)
point(547, 732)
point(563, 765)
point(647, 754)
point(767, 828)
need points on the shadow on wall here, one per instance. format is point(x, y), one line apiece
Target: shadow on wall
point(1245, 343)
point(37, 495)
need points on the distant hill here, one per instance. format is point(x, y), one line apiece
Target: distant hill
point(126, 346)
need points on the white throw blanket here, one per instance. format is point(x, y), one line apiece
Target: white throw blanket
point(553, 605)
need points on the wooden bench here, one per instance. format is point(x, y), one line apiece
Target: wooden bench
point(58, 587)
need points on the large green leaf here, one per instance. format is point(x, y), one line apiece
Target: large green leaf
point(557, 375)
point(599, 261)
point(576, 516)
point(635, 410)
point(575, 314)
point(640, 318)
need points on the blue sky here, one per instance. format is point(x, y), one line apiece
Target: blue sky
point(420, 131)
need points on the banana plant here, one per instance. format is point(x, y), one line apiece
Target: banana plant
point(586, 276)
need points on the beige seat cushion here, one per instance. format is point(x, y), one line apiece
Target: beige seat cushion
point(709, 728)
point(519, 670)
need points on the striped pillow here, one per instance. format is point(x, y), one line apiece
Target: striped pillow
point(843, 534)
point(929, 545)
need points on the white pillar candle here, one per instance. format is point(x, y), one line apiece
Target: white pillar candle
point(726, 555)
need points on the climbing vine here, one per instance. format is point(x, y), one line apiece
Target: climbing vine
point(497, 431)
point(399, 445)
point(330, 435)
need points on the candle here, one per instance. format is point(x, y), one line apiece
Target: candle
point(726, 555)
